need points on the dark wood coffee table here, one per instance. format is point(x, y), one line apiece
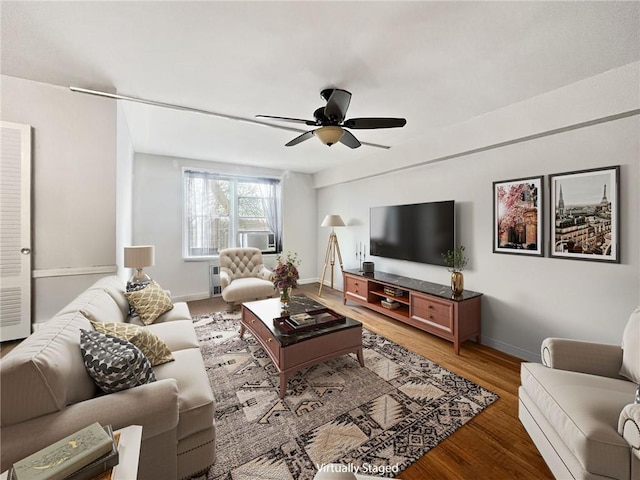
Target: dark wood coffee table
point(293, 352)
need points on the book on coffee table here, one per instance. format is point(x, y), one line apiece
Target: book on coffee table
point(301, 319)
point(310, 320)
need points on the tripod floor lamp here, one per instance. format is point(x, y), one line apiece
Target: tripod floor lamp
point(332, 248)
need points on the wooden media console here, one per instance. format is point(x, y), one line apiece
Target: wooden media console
point(428, 306)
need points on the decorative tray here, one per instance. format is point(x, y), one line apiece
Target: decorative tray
point(310, 320)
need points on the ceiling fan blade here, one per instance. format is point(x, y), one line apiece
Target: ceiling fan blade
point(349, 140)
point(299, 139)
point(337, 105)
point(372, 122)
point(288, 119)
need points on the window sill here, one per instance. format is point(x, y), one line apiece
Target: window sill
point(210, 258)
point(201, 258)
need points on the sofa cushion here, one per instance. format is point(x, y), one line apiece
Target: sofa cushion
point(178, 335)
point(180, 311)
point(114, 287)
point(113, 363)
point(95, 304)
point(631, 348)
point(584, 410)
point(45, 372)
point(150, 302)
point(153, 348)
point(196, 403)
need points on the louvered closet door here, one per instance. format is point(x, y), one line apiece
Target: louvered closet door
point(15, 231)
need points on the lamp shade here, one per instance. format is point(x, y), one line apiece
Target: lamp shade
point(139, 256)
point(329, 135)
point(332, 221)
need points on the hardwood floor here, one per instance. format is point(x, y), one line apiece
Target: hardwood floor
point(493, 445)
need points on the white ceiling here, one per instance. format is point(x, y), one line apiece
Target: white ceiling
point(434, 63)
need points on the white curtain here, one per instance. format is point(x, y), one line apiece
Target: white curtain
point(199, 218)
point(204, 233)
point(271, 203)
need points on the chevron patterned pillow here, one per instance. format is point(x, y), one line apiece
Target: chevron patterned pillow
point(150, 302)
point(154, 349)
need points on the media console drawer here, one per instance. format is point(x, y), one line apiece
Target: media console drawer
point(357, 287)
point(431, 311)
point(430, 307)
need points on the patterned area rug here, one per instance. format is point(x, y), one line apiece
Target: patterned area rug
point(379, 418)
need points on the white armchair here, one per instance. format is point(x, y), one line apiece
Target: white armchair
point(578, 406)
point(243, 276)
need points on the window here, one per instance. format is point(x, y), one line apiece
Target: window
point(224, 211)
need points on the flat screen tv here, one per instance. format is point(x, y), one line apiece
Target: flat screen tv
point(418, 232)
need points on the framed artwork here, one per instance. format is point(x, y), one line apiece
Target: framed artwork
point(517, 216)
point(585, 207)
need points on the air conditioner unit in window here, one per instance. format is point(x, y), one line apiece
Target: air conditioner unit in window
point(265, 241)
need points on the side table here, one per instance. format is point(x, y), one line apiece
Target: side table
point(129, 451)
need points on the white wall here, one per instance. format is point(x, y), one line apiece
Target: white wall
point(299, 224)
point(81, 178)
point(124, 187)
point(157, 220)
point(525, 298)
point(74, 205)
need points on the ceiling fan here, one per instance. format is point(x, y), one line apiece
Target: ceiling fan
point(332, 124)
point(329, 118)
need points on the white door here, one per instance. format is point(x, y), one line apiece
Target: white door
point(15, 231)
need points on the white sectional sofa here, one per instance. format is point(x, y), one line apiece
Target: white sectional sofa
point(47, 393)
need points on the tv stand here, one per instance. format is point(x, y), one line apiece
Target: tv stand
point(428, 306)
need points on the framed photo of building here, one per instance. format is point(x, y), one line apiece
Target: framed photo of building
point(585, 220)
point(517, 216)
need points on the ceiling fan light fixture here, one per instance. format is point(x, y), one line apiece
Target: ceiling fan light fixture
point(329, 134)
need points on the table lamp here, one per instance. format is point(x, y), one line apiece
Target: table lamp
point(139, 257)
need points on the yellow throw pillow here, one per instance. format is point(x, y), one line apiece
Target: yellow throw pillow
point(150, 302)
point(154, 349)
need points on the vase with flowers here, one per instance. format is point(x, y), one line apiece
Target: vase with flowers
point(285, 276)
point(456, 261)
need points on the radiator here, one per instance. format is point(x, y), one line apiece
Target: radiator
point(215, 290)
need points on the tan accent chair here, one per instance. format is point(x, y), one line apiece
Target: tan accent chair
point(243, 276)
point(578, 406)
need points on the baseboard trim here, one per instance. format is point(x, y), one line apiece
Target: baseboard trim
point(193, 297)
point(511, 350)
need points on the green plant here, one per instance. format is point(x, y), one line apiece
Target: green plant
point(455, 259)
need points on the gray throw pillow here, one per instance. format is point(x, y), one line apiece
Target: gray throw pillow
point(134, 287)
point(638, 395)
point(113, 363)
